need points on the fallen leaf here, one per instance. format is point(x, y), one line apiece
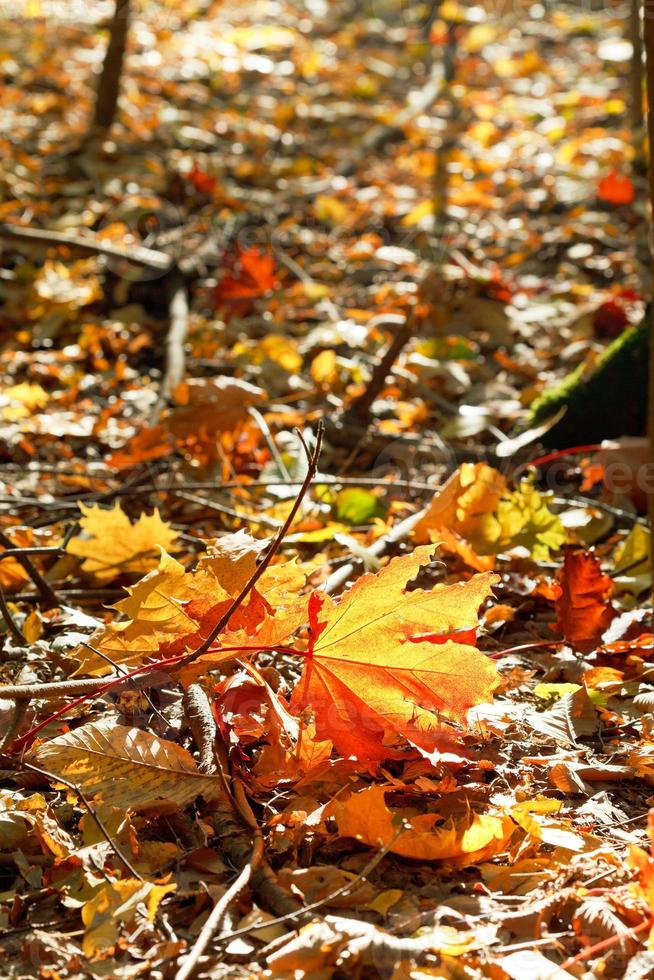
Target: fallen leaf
point(385, 660)
point(462, 504)
point(147, 445)
point(616, 189)
point(583, 607)
point(112, 545)
point(252, 273)
point(366, 817)
point(114, 905)
point(126, 767)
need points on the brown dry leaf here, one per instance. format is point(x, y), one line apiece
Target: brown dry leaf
point(320, 946)
point(572, 716)
point(232, 558)
point(211, 405)
point(320, 881)
point(112, 545)
point(125, 767)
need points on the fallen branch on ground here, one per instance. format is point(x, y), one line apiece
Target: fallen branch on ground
point(137, 254)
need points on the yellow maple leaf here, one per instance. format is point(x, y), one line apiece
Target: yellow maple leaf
point(476, 516)
point(523, 518)
point(170, 609)
point(112, 545)
point(458, 515)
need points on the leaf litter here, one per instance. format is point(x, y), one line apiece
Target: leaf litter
point(421, 743)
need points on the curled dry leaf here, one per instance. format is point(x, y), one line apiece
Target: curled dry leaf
point(125, 767)
point(457, 514)
point(115, 904)
point(211, 405)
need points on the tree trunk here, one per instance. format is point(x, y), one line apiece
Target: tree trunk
point(106, 100)
point(648, 12)
point(636, 73)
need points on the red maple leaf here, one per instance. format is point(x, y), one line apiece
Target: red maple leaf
point(616, 189)
point(610, 320)
point(583, 606)
point(203, 182)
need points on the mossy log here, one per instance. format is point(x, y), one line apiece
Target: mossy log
point(608, 402)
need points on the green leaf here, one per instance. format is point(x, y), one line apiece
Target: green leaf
point(527, 521)
point(357, 506)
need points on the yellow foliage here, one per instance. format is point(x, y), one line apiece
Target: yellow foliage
point(112, 545)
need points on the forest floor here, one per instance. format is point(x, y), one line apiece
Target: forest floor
point(312, 180)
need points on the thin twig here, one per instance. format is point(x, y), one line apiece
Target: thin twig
point(10, 622)
point(137, 254)
point(606, 943)
point(360, 408)
point(22, 557)
point(270, 442)
point(55, 778)
point(203, 726)
point(218, 913)
point(51, 691)
point(272, 551)
point(229, 511)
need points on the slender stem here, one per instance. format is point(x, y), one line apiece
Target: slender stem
point(605, 943)
point(525, 646)
point(28, 737)
point(190, 964)
point(10, 621)
point(593, 447)
point(22, 557)
point(272, 551)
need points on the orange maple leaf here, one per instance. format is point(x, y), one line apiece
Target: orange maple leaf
point(385, 662)
point(254, 275)
point(583, 606)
